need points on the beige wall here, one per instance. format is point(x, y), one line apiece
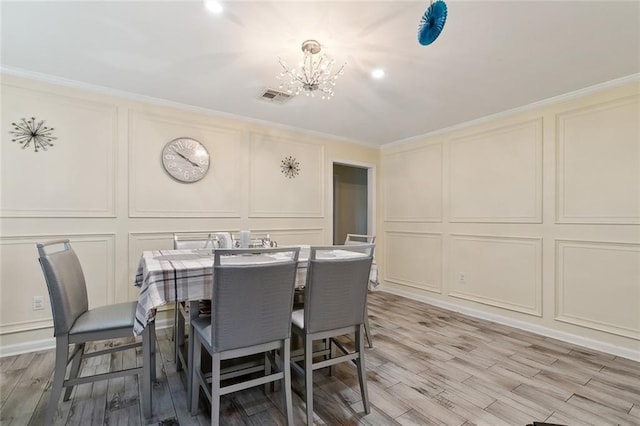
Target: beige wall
point(102, 186)
point(531, 219)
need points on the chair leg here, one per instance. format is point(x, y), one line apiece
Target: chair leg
point(193, 314)
point(62, 352)
point(285, 367)
point(308, 377)
point(147, 366)
point(75, 369)
point(367, 329)
point(195, 363)
point(331, 367)
point(215, 389)
point(362, 373)
point(268, 387)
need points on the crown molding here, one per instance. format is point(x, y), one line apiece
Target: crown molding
point(103, 90)
point(107, 91)
point(504, 114)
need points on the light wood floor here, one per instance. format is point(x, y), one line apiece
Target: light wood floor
point(428, 366)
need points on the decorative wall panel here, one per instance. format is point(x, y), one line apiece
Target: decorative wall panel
point(153, 193)
point(496, 176)
point(412, 185)
point(272, 192)
point(500, 271)
point(599, 163)
point(414, 259)
point(73, 178)
point(22, 277)
point(598, 286)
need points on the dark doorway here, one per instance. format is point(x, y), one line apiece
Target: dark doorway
point(350, 202)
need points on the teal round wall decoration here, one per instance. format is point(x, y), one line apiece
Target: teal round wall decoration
point(432, 22)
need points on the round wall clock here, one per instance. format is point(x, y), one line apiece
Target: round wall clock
point(185, 159)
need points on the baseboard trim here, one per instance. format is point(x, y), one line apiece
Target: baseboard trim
point(46, 344)
point(522, 325)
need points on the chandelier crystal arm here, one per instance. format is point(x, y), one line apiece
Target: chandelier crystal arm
point(314, 75)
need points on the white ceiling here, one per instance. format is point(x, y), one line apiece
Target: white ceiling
point(491, 56)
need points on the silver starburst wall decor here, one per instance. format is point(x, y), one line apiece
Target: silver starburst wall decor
point(26, 131)
point(290, 167)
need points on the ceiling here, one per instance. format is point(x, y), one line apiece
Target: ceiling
point(491, 56)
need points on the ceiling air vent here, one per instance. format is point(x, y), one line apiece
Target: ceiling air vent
point(275, 96)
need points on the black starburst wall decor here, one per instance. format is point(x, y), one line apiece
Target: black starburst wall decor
point(26, 131)
point(290, 167)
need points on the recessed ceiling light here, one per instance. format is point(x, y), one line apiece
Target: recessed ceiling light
point(377, 73)
point(213, 6)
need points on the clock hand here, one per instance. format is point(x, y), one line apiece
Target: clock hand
point(186, 158)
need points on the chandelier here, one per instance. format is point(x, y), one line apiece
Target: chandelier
point(314, 74)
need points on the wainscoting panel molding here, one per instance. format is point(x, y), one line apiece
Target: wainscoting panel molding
point(412, 185)
point(153, 193)
point(274, 194)
point(74, 177)
point(505, 272)
point(598, 286)
point(22, 277)
point(496, 176)
point(598, 162)
point(414, 259)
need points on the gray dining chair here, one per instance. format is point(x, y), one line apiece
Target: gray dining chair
point(194, 240)
point(74, 323)
point(334, 305)
point(355, 239)
point(251, 307)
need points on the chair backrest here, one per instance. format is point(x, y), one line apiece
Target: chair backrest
point(224, 240)
point(252, 302)
point(336, 287)
point(66, 284)
point(193, 241)
point(356, 239)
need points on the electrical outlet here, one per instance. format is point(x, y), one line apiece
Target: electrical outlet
point(462, 277)
point(37, 304)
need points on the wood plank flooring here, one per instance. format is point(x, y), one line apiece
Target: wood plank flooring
point(428, 366)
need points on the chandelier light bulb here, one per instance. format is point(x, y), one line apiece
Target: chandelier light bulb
point(377, 73)
point(213, 6)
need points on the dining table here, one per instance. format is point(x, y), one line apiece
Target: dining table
point(186, 276)
point(166, 276)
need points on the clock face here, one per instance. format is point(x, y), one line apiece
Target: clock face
point(185, 159)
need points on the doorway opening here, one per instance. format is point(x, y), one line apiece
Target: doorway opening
point(353, 200)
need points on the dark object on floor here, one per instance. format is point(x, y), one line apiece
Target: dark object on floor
point(544, 424)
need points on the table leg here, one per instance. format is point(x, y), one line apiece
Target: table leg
point(179, 334)
point(194, 310)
